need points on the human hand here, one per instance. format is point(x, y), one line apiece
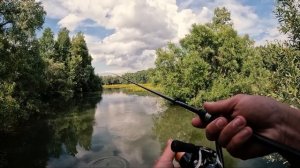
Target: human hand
point(240, 115)
point(167, 157)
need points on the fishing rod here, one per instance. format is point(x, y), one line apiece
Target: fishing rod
point(206, 117)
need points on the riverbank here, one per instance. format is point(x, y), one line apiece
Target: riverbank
point(132, 87)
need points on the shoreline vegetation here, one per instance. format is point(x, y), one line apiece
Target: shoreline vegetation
point(52, 67)
point(133, 88)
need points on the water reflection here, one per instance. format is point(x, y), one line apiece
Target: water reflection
point(127, 121)
point(130, 126)
point(122, 127)
point(70, 127)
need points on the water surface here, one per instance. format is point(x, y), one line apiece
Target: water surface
point(117, 129)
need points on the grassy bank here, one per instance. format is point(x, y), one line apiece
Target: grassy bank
point(132, 87)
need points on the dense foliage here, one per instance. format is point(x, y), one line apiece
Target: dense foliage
point(288, 14)
point(214, 62)
point(32, 70)
point(284, 60)
point(211, 62)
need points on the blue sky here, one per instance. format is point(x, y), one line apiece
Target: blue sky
point(122, 35)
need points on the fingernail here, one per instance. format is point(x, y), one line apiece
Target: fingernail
point(245, 133)
point(237, 122)
point(220, 123)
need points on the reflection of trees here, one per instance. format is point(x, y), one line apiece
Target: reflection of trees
point(32, 146)
point(175, 123)
point(74, 126)
point(25, 149)
point(70, 131)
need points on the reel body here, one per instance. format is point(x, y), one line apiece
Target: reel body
point(196, 156)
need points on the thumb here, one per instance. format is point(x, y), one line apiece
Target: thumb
point(221, 107)
point(166, 159)
point(168, 154)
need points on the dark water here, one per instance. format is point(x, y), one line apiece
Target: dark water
point(117, 130)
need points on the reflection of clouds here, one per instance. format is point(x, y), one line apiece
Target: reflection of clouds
point(128, 119)
point(123, 127)
point(140, 152)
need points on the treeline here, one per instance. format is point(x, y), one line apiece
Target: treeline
point(34, 71)
point(213, 61)
point(67, 64)
point(144, 76)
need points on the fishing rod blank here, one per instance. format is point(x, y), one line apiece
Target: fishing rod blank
point(206, 117)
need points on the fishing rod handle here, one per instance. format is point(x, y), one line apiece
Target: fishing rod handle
point(179, 146)
point(205, 116)
point(276, 146)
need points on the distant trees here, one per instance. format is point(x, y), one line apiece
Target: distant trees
point(110, 80)
point(144, 76)
point(34, 70)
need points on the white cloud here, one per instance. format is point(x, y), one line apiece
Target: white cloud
point(141, 26)
point(272, 35)
point(71, 21)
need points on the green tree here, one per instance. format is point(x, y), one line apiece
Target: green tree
point(47, 44)
point(55, 73)
point(211, 62)
point(288, 14)
point(221, 17)
point(63, 45)
point(284, 64)
point(81, 72)
point(21, 67)
point(283, 60)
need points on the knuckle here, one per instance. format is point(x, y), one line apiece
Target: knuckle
point(239, 96)
point(234, 142)
point(212, 132)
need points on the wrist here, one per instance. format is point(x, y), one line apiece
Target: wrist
point(291, 129)
point(291, 133)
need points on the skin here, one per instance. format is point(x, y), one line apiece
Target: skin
point(167, 157)
point(240, 115)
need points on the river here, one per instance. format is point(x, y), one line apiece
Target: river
point(118, 129)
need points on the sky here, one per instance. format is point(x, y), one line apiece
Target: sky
point(122, 35)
